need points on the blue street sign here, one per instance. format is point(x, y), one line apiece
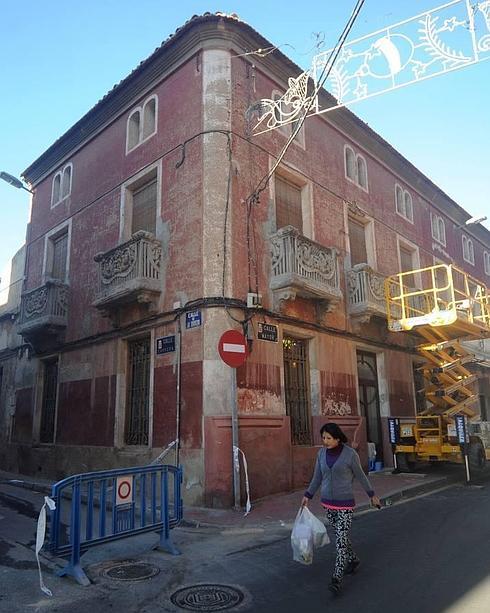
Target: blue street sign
point(193, 319)
point(165, 344)
point(461, 429)
point(394, 428)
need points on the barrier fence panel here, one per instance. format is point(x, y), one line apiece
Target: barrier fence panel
point(99, 507)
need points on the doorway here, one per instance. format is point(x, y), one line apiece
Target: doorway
point(369, 398)
point(297, 389)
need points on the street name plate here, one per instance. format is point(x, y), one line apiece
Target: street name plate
point(267, 332)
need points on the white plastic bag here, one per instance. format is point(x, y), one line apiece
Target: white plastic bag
point(308, 532)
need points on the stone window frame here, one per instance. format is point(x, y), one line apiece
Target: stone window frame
point(486, 262)
point(438, 228)
point(141, 113)
point(59, 190)
point(468, 250)
point(402, 196)
point(296, 178)
point(49, 238)
point(359, 160)
point(126, 207)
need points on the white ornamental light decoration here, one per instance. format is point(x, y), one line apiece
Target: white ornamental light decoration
point(446, 38)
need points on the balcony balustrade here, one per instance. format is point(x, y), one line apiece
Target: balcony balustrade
point(130, 272)
point(301, 267)
point(366, 294)
point(44, 311)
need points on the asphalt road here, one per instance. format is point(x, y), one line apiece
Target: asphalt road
point(427, 555)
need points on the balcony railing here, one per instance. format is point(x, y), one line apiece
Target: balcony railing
point(366, 294)
point(301, 267)
point(44, 310)
point(130, 272)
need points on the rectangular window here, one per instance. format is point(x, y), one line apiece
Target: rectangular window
point(406, 265)
point(297, 389)
point(48, 406)
point(144, 208)
point(288, 204)
point(357, 241)
point(138, 398)
point(60, 251)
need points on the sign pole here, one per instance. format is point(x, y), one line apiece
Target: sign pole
point(233, 350)
point(234, 437)
point(463, 439)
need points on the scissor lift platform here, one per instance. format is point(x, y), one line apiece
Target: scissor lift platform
point(443, 305)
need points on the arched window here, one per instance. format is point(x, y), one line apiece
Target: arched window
point(486, 262)
point(361, 172)
point(468, 251)
point(56, 192)
point(149, 117)
point(134, 129)
point(399, 200)
point(350, 164)
point(66, 181)
point(142, 123)
point(61, 185)
point(408, 206)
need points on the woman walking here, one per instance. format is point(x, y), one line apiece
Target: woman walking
point(336, 466)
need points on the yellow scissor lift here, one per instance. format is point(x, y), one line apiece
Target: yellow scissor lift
point(444, 306)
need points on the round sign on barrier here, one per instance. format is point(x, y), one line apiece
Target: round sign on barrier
point(124, 490)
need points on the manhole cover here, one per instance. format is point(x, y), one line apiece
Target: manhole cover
point(131, 571)
point(207, 597)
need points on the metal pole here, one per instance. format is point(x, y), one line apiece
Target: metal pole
point(467, 467)
point(234, 438)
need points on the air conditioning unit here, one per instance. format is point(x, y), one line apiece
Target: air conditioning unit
point(254, 301)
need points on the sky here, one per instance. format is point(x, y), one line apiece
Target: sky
point(58, 58)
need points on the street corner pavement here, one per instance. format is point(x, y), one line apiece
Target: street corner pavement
point(279, 511)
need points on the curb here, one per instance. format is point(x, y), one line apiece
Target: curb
point(387, 500)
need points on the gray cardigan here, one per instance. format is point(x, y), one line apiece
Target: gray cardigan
point(337, 481)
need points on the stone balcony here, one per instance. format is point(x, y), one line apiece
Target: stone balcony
point(44, 312)
point(301, 267)
point(366, 293)
point(129, 273)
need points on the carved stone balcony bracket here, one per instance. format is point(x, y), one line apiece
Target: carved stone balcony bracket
point(301, 267)
point(129, 273)
point(365, 291)
point(44, 311)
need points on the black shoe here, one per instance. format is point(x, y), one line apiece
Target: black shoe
point(352, 567)
point(335, 586)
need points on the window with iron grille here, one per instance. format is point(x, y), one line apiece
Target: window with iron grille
point(144, 208)
point(138, 398)
point(288, 204)
point(297, 389)
point(49, 398)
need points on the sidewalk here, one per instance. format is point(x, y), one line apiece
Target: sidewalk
point(280, 510)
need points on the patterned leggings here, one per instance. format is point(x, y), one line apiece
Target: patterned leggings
point(341, 521)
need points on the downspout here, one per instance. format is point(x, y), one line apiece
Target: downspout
point(178, 394)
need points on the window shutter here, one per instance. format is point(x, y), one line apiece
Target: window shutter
point(60, 248)
point(144, 208)
point(288, 205)
point(357, 240)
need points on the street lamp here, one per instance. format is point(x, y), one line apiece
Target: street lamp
point(11, 180)
point(471, 222)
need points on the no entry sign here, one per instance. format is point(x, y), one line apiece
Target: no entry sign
point(233, 348)
point(124, 490)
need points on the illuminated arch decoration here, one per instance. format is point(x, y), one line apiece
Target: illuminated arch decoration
point(446, 38)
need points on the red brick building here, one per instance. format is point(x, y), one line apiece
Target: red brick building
point(142, 250)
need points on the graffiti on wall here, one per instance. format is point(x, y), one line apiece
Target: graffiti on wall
point(337, 405)
point(251, 402)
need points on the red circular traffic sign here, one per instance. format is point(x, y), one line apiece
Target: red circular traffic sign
point(233, 348)
point(124, 489)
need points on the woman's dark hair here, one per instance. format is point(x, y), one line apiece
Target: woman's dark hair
point(334, 431)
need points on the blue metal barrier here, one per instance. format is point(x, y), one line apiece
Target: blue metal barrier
point(99, 507)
